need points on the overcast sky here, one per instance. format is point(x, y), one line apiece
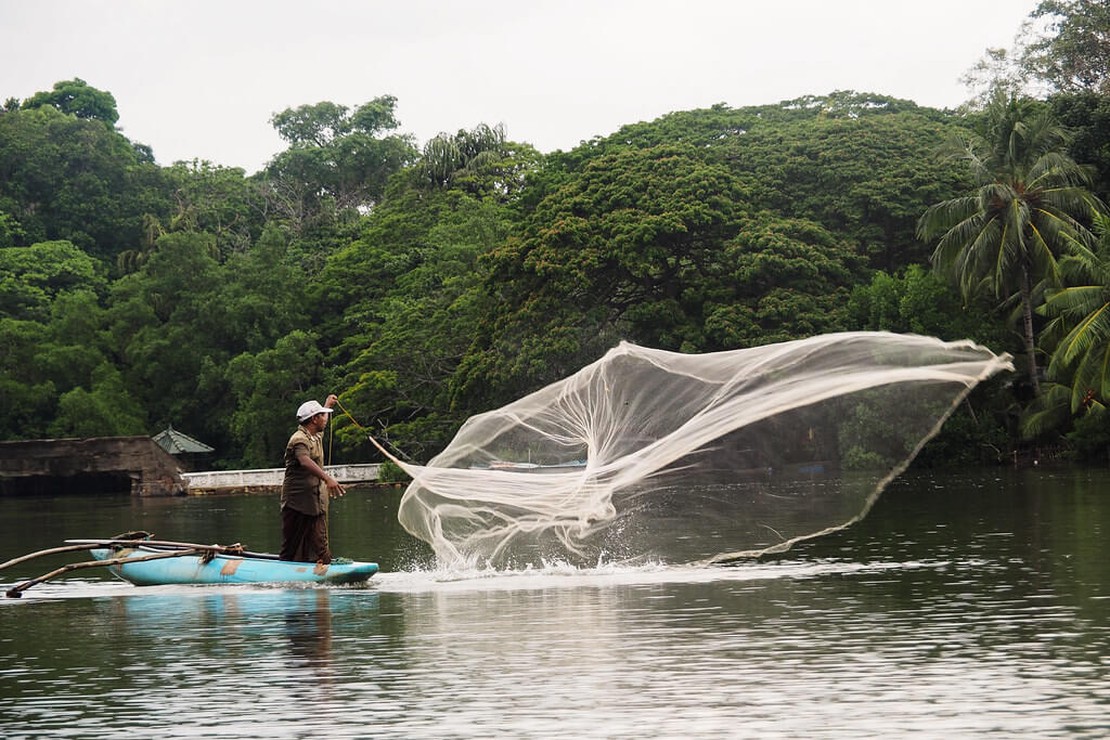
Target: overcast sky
point(201, 78)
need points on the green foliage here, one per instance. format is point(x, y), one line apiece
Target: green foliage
point(1087, 117)
point(390, 472)
point(425, 287)
point(480, 162)
point(217, 200)
point(263, 297)
point(10, 231)
point(337, 160)
point(919, 301)
point(619, 249)
point(786, 279)
point(1048, 416)
point(1028, 208)
point(164, 320)
point(861, 165)
point(1079, 330)
point(865, 178)
point(413, 282)
point(266, 388)
point(32, 277)
point(1063, 48)
point(1090, 438)
point(69, 178)
point(26, 398)
point(107, 409)
point(869, 439)
point(73, 345)
point(976, 433)
point(652, 244)
point(49, 338)
point(972, 436)
point(76, 97)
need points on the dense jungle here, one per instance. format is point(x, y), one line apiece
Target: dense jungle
point(426, 282)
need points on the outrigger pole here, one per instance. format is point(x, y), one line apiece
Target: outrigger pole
point(16, 591)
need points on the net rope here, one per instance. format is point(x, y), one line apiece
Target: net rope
point(649, 454)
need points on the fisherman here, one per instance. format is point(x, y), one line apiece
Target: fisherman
point(307, 487)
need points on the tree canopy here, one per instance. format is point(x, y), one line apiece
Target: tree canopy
point(425, 284)
point(76, 97)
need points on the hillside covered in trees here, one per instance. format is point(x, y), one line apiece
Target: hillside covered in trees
point(424, 284)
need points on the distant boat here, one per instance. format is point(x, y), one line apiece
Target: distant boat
point(536, 467)
point(217, 568)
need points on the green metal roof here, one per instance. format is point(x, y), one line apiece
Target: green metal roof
point(175, 442)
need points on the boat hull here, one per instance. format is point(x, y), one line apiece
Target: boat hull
point(196, 569)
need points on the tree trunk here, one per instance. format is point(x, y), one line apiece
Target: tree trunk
point(1027, 331)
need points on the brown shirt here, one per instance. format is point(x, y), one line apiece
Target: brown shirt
point(301, 490)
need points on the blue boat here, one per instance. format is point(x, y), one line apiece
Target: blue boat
point(157, 566)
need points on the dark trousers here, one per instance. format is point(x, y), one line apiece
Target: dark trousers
point(304, 537)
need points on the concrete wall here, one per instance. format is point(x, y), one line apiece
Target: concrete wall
point(269, 479)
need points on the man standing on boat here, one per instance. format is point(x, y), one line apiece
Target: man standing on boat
point(307, 487)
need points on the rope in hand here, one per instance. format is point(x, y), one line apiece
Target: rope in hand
point(348, 413)
point(373, 439)
point(331, 441)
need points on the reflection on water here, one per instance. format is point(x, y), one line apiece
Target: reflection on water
point(962, 607)
point(176, 657)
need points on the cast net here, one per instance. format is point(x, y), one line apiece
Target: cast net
point(647, 454)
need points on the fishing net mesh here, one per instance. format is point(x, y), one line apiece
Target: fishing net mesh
point(647, 454)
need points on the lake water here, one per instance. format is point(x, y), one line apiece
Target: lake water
point(965, 605)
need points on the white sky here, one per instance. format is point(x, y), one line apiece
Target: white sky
point(201, 78)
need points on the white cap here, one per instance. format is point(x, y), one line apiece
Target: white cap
point(308, 409)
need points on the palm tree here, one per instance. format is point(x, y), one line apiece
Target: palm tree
point(481, 162)
point(1080, 323)
point(1027, 209)
point(446, 156)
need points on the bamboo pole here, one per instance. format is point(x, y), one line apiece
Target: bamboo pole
point(17, 591)
point(42, 553)
point(236, 549)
